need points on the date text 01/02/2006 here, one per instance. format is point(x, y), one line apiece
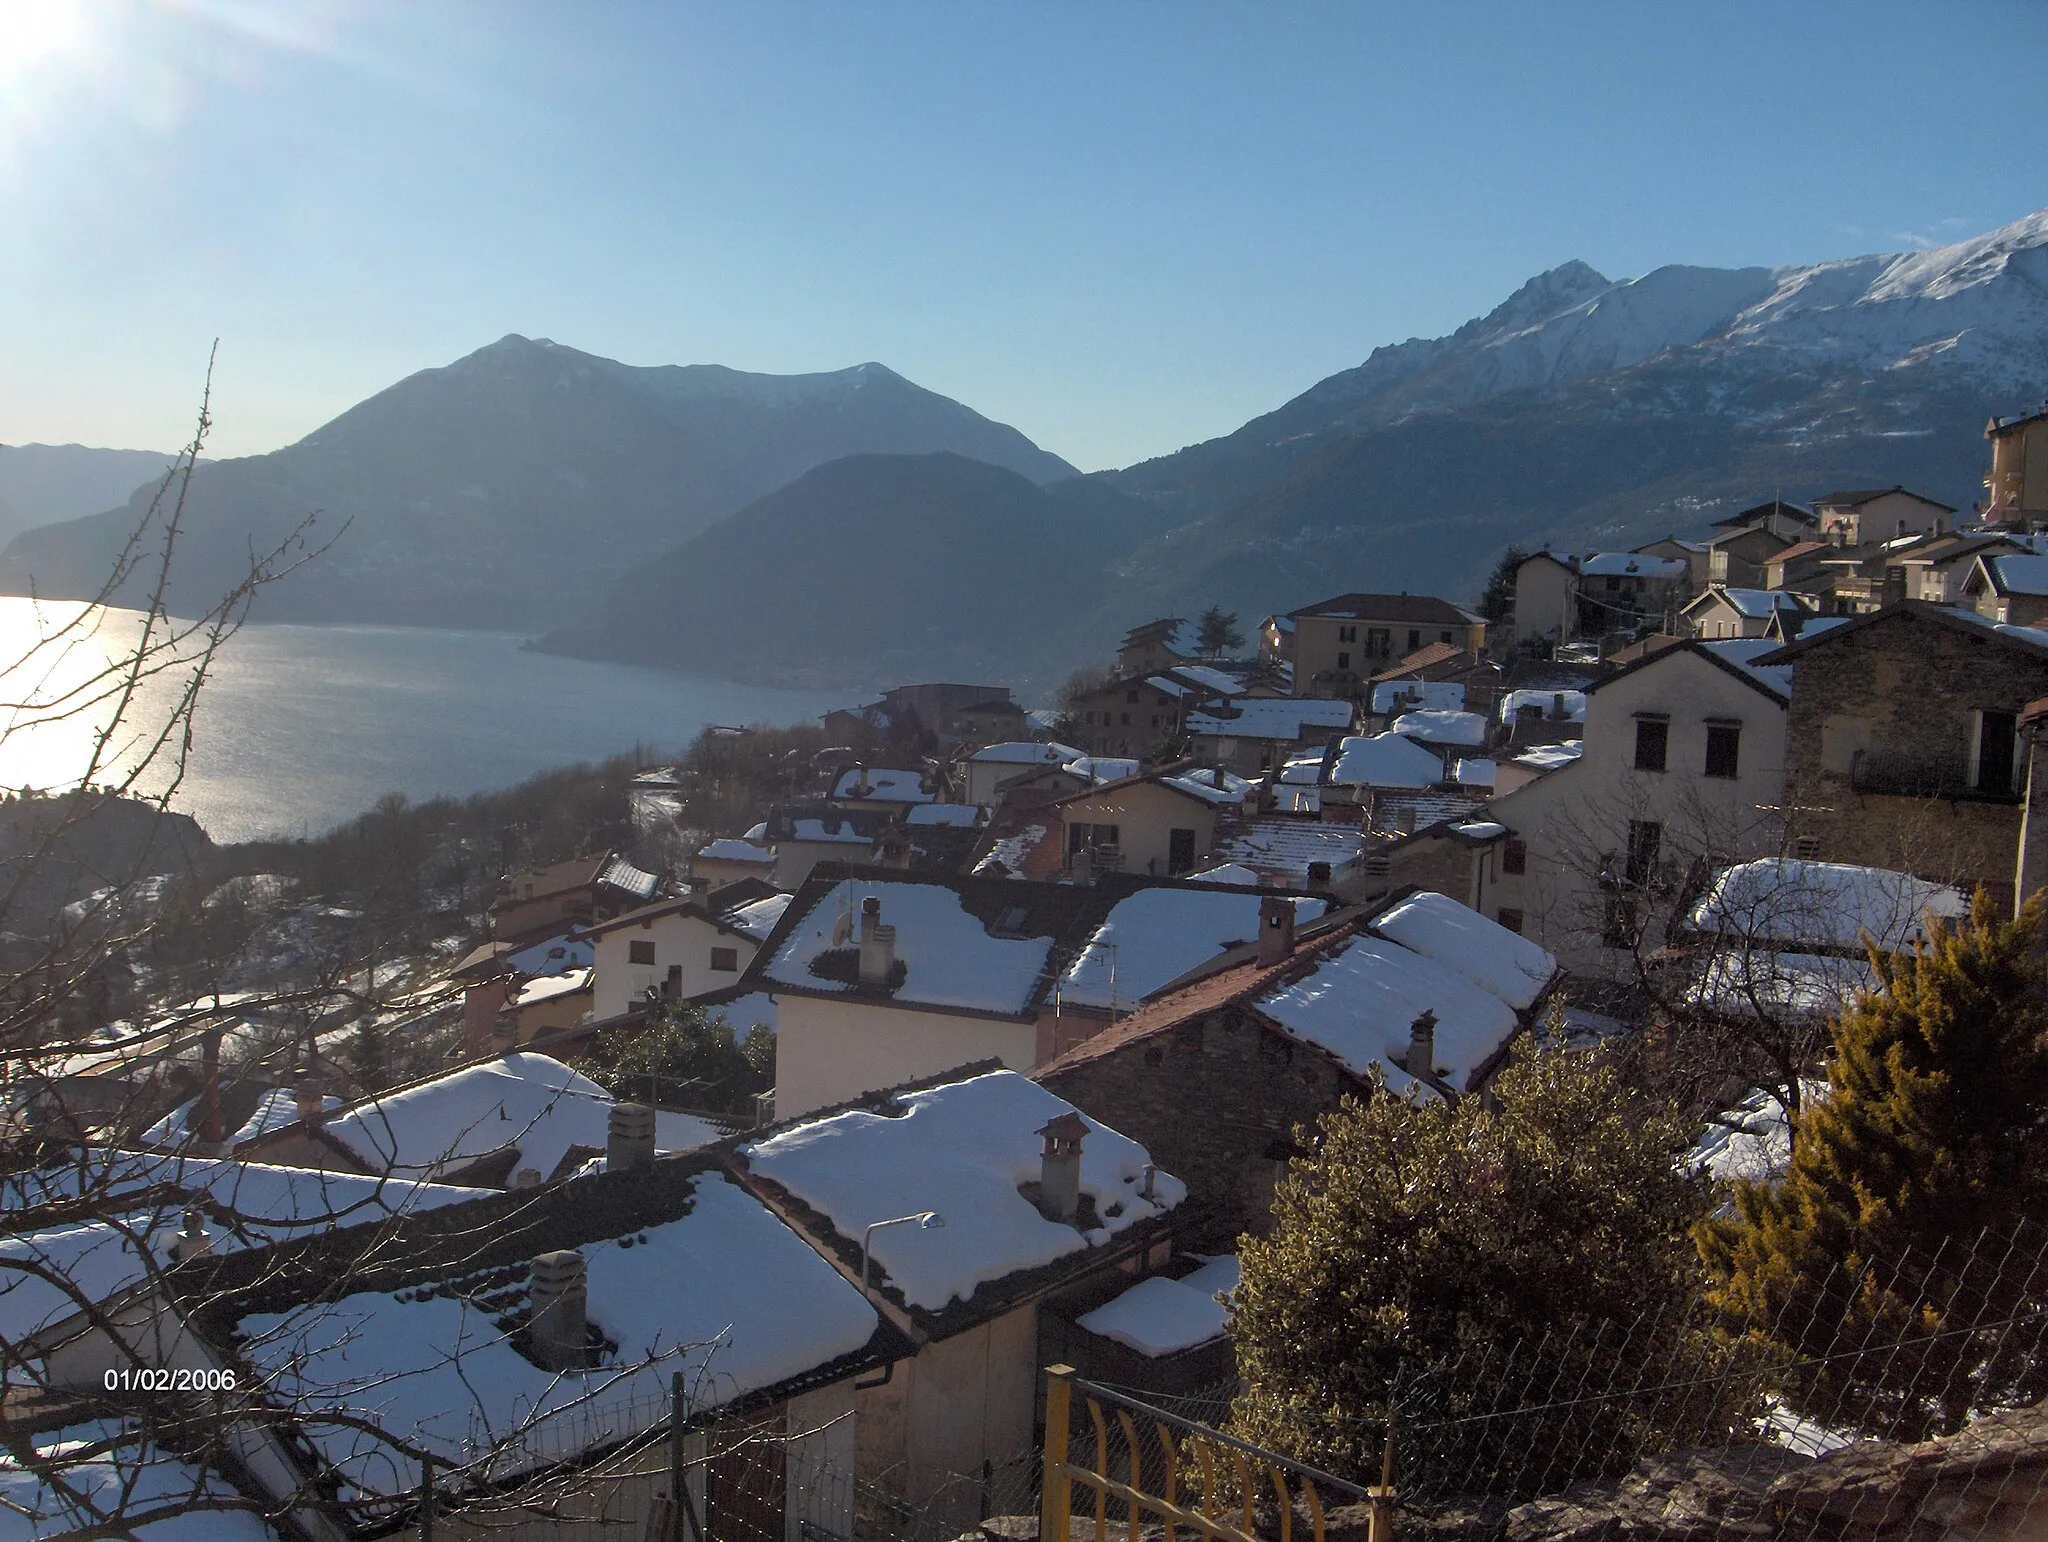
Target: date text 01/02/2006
point(165, 1379)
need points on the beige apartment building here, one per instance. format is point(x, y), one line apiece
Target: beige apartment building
point(1342, 642)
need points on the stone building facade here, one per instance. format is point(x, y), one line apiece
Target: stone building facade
point(1904, 747)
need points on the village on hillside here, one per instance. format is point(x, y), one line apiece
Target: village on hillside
point(744, 1182)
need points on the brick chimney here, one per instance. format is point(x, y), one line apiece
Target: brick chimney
point(629, 1137)
point(1276, 928)
point(558, 1292)
point(1059, 1175)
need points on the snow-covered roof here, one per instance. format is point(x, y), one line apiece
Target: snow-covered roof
point(1211, 786)
point(1384, 760)
point(1756, 604)
point(1623, 564)
point(2020, 575)
point(758, 919)
point(1009, 852)
point(548, 986)
point(1474, 773)
point(756, 1008)
point(1436, 726)
point(727, 1295)
point(1019, 752)
point(1458, 937)
point(1823, 904)
point(275, 1109)
point(1439, 695)
point(949, 957)
point(99, 1260)
point(841, 833)
point(1362, 996)
point(1302, 770)
point(1159, 934)
point(1216, 680)
point(623, 875)
point(1549, 757)
point(1743, 652)
point(1228, 872)
point(1104, 768)
point(1561, 706)
point(106, 1469)
point(1285, 846)
point(730, 849)
point(881, 784)
point(2031, 636)
point(961, 1149)
point(521, 1099)
point(1159, 1316)
point(956, 816)
point(1755, 982)
point(552, 955)
point(1273, 717)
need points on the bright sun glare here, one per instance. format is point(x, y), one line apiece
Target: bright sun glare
point(37, 33)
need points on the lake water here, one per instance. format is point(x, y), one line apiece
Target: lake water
point(302, 727)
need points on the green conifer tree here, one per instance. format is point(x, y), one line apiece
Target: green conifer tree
point(1912, 1210)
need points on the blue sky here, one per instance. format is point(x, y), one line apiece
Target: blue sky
point(1121, 227)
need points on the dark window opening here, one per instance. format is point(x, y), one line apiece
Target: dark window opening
point(1996, 740)
point(1511, 919)
point(639, 952)
point(1652, 737)
point(725, 960)
point(1724, 749)
point(1180, 851)
point(1514, 856)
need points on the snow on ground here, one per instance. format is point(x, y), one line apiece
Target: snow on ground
point(1383, 760)
point(1440, 727)
point(1574, 704)
point(727, 1295)
point(949, 958)
point(1823, 904)
point(962, 1150)
point(1750, 1141)
point(1158, 935)
point(1489, 955)
point(109, 1470)
point(758, 919)
point(524, 1100)
point(1437, 695)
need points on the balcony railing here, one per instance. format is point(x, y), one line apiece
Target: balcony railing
point(1904, 775)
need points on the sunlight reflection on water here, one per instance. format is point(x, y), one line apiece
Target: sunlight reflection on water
point(302, 727)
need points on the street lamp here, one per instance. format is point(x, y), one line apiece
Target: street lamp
point(927, 1220)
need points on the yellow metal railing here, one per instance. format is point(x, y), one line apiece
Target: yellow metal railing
point(1188, 1476)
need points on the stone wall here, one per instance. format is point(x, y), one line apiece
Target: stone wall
point(1212, 1100)
point(1904, 691)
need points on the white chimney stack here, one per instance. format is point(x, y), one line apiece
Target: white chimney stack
point(630, 1137)
point(1059, 1179)
point(559, 1295)
point(877, 945)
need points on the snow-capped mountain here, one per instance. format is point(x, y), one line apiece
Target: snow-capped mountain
point(1981, 303)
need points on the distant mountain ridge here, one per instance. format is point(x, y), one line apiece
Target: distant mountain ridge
point(509, 488)
point(41, 484)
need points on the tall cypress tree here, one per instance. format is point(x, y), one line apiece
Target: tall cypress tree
point(1912, 1212)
